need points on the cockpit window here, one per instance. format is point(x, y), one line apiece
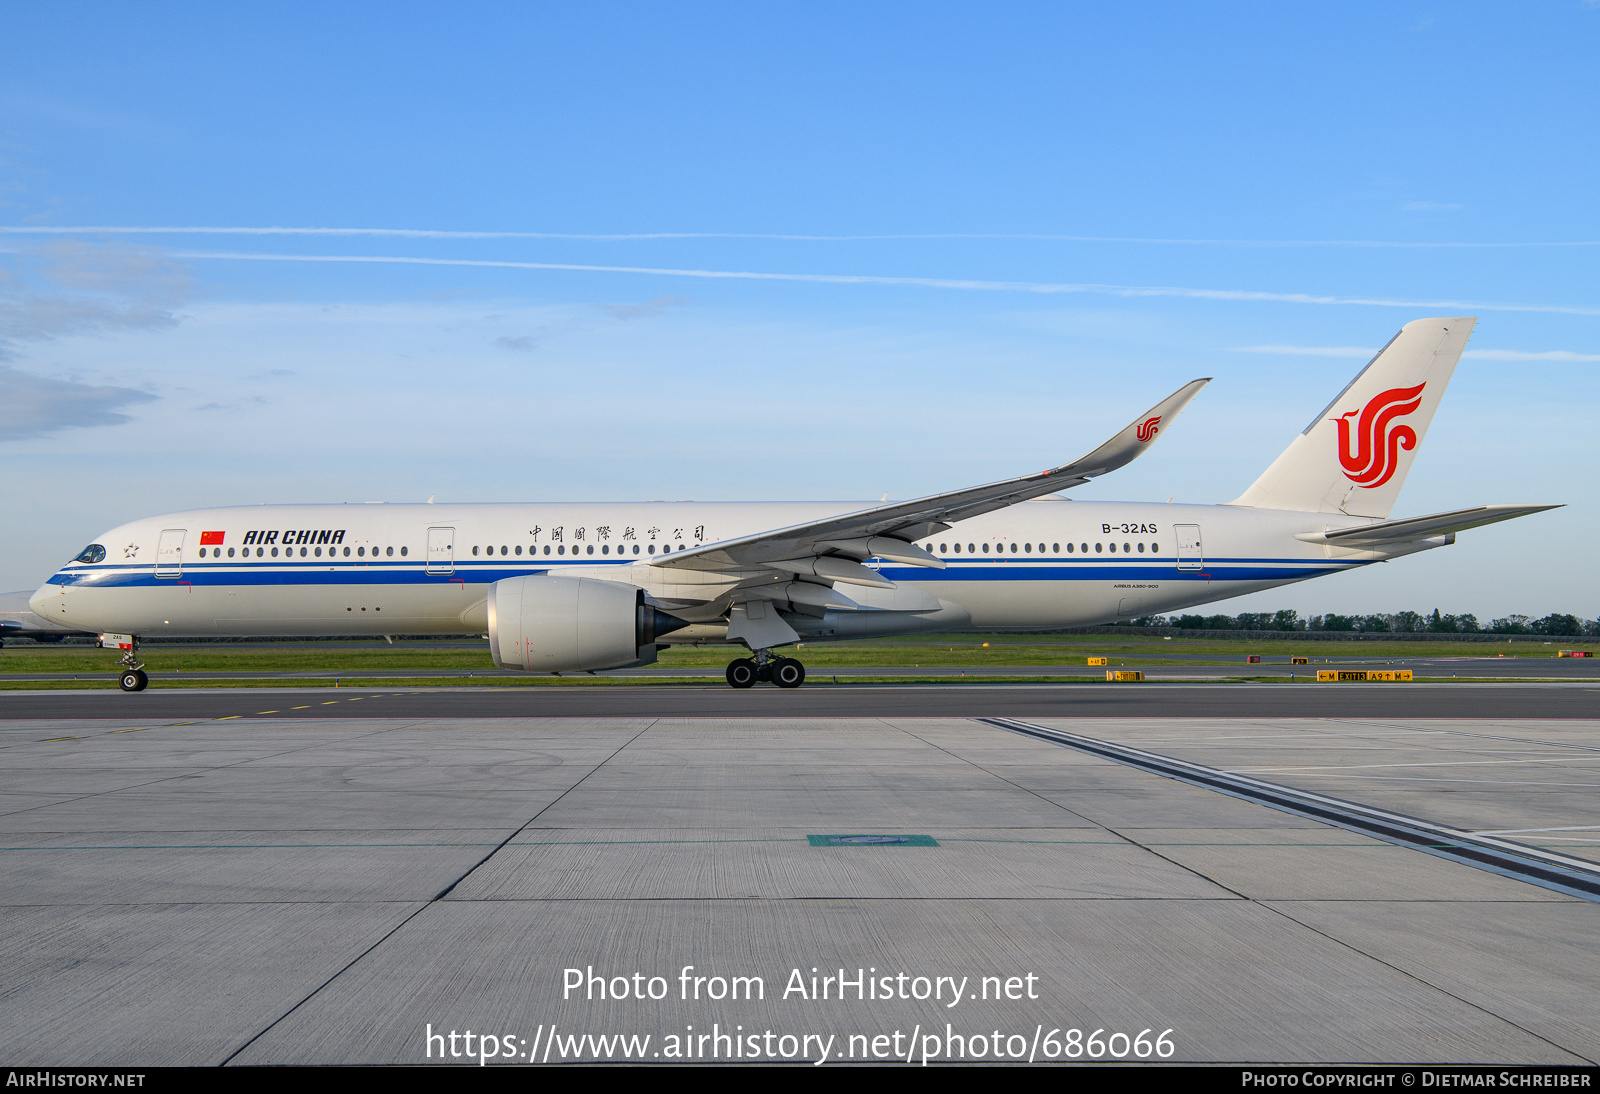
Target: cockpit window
point(92, 553)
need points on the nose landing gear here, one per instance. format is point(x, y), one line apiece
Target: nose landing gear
point(133, 677)
point(785, 672)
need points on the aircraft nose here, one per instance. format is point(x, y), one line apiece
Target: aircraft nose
point(39, 603)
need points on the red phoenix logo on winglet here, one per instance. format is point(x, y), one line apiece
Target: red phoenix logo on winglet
point(1378, 440)
point(1147, 428)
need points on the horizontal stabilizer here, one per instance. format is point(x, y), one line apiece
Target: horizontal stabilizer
point(1396, 531)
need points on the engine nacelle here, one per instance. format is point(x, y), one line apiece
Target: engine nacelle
point(564, 624)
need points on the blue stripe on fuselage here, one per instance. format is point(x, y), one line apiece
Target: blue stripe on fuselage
point(415, 573)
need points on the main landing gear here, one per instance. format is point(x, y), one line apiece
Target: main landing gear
point(133, 677)
point(786, 672)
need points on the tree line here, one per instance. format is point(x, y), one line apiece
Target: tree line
point(1554, 624)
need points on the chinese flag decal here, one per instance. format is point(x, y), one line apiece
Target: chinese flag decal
point(211, 539)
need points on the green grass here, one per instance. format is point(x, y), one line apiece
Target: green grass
point(962, 651)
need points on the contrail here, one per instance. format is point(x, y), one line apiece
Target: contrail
point(1129, 291)
point(1366, 352)
point(430, 233)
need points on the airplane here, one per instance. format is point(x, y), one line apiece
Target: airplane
point(567, 588)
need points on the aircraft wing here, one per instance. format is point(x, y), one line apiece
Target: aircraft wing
point(833, 548)
point(1395, 531)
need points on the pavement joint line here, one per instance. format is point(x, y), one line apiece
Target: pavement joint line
point(1480, 736)
point(1276, 908)
point(426, 904)
point(1521, 862)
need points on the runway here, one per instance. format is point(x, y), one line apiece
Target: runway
point(822, 699)
point(317, 889)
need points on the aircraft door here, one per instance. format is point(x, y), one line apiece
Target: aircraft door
point(1190, 554)
point(441, 551)
point(169, 552)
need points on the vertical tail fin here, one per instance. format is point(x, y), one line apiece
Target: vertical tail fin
point(1354, 456)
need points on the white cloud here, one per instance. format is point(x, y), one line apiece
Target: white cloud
point(37, 405)
point(109, 288)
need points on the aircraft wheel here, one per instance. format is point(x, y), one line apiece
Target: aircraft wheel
point(741, 673)
point(134, 680)
point(788, 673)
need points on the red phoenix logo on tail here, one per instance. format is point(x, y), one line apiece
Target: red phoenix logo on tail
point(1147, 428)
point(1378, 440)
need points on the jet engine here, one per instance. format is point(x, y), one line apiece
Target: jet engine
point(563, 624)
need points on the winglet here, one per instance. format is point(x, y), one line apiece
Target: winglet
point(1131, 443)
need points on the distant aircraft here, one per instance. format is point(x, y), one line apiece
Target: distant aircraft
point(582, 587)
point(17, 621)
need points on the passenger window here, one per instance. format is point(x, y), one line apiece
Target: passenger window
point(303, 552)
point(652, 548)
point(519, 549)
point(1028, 547)
point(1127, 549)
point(1155, 548)
point(318, 552)
point(1141, 548)
point(589, 550)
point(474, 550)
point(346, 552)
point(230, 552)
point(635, 548)
point(561, 550)
point(605, 549)
point(1013, 548)
point(274, 552)
point(1069, 548)
point(402, 551)
point(547, 549)
point(1098, 548)
point(389, 551)
point(361, 552)
point(971, 549)
point(958, 548)
point(202, 552)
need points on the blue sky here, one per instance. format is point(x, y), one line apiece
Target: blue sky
point(1000, 234)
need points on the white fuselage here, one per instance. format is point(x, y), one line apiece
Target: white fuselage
point(426, 569)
